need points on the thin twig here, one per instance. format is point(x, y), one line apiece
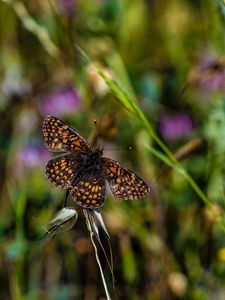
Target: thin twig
point(93, 216)
point(96, 253)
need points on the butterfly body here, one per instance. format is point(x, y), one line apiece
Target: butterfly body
point(93, 160)
point(84, 172)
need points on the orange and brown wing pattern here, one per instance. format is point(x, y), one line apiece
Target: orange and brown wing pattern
point(60, 137)
point(62, 170)
point(89, 192)
point(124, 184)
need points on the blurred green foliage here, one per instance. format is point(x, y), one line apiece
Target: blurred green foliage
point(153, 74)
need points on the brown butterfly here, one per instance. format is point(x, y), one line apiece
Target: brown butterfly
point(83, 171)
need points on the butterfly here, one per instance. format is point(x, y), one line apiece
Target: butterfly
point(84, 171)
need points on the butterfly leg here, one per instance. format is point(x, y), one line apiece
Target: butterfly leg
point(66, 197)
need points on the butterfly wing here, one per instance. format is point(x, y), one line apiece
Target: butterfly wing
point(89, 191)
point(124, 184)
point(62, 170)
point(60, 137)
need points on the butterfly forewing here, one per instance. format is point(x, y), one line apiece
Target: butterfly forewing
point(124, 184)
point(62, 170)
point(90, 191)
point(60, 137)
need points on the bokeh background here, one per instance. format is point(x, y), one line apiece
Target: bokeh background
point(169, 57)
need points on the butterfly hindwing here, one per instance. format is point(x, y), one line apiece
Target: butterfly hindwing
point(124, 184)
point(60, 137)
point(90, 191)
point(62, 170)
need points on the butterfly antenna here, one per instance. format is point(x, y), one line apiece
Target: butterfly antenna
point(95, 121)
point(127, 148)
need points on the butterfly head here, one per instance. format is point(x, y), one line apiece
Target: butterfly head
point(98, 152)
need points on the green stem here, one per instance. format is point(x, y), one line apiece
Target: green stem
point(31, 25)
point(129, 102)
point(179, 168)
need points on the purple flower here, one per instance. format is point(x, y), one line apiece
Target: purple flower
point(61, 102)
point(29, 157)
point(174, 127)
point(67, 7)
point(33, 156)
point(209, 75)
point(14, 84)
